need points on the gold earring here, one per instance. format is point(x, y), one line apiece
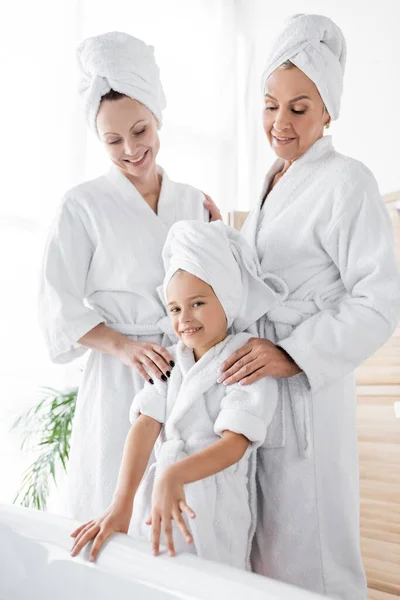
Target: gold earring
point(328, 124)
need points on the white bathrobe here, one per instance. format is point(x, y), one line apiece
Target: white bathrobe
point(324, 230)
point(196, 410)
point(103, 264)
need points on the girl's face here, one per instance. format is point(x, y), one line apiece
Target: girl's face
point(294, 114)
point(128, 130)
point(196, 314)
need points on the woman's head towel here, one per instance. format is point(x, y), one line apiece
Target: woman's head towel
point(315, 45)
point(220, 256)
point(120, 62)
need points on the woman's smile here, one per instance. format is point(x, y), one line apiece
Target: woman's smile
point(283, 141)
point(139, 161)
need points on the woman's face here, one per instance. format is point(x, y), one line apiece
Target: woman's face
point(128, 130)
point(294, 114)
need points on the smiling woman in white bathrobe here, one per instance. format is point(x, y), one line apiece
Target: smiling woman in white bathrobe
point(103, 262)
point(322, 227)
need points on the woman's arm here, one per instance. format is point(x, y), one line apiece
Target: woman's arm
point(336, 340)
point(63, 316)
point(69, 326)
point(339, 338)
point(138, 446)
point(145, 357)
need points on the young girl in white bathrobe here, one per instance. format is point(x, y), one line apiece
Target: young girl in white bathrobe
point(103, 263)
point(203, 480)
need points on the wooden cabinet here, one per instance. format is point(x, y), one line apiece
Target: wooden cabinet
point(379, 456)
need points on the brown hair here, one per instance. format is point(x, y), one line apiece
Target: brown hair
point(112, 95)
point(288, 65)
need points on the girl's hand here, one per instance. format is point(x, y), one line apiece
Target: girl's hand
point(257, 359)
point(213, 209)
point(116, 519)
point(147, 358)
point(168, 503)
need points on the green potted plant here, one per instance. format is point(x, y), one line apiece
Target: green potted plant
point(46, 431)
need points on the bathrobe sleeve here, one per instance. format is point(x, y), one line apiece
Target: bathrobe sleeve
point(150, 401)
point(63, 316)
point(248, 410)
point(336, 340)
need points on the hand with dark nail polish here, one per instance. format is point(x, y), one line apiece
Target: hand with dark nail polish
point(151, 381)
point(168, 373)
point(164, 378)
point(171, 362)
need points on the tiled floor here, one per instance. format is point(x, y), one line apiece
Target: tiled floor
point(376, 595)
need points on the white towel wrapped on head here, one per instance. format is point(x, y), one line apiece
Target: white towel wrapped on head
point(120, 62)
point(315, 45)
point(220, 256)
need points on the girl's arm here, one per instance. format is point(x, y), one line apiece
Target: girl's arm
point(169, 501)
point(244, 417)
point(215, 458)
point(138, 446)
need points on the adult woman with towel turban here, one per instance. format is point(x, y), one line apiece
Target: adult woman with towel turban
point(103, 262)
point(322, 227)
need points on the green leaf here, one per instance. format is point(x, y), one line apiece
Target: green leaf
point(47, 427)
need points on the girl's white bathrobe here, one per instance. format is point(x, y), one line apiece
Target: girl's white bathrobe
point(103, 264)
point(195, 410)
point(325, 231)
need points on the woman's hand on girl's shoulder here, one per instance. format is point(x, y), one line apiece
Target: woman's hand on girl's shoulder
point(149, 359)
point(215, 214)
point(257, 359)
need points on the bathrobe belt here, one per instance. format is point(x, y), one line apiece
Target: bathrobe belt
point(285, 317)
point(162, 326)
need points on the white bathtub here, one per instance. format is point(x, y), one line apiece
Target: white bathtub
point(35, 564)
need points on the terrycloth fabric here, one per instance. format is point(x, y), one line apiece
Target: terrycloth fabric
point(325, 231)
point(220, 256)
point(195, 410)
point(120, 62)
point(105, 248)
point(316, 45)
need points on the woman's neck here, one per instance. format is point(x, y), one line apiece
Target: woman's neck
point(277, 176)
point(286, 166)
point(149, 187)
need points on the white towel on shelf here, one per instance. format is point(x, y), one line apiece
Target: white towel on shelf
point(316, 45)
point(120, 62)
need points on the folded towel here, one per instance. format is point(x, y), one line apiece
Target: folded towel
point(220, 256)
point(315, 45)
point(117, 61)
